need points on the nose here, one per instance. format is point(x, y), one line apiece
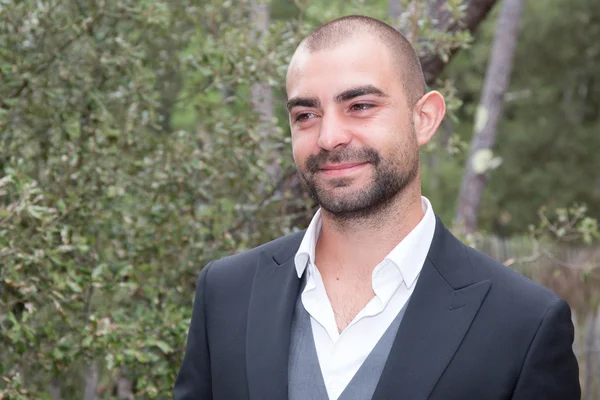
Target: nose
point(333, 134)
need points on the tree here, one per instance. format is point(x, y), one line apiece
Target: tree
point(132, 151)
point(545, 151)
point(261, 92)
point(451, 22)
point(480, 159)
point(107, 211)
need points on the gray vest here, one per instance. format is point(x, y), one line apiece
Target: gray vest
point(304, 372)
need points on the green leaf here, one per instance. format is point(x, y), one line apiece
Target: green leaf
point(36, 212)
point(98, 271)
point(163, 346)
point(74, 286)
point(87, 341)
point(57, 354)
point(60, 205)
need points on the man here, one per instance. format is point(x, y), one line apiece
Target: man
point(376, 299)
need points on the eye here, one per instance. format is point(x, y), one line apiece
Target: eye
point(304, 116)
point(361, 107)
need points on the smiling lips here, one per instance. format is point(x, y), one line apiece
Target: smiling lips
point(341, 169)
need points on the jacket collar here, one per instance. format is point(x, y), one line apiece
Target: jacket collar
point(440, 311)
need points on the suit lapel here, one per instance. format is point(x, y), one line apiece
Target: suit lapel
point(270, 311)
point(439, 314)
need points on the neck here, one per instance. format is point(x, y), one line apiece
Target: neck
point(359, 244)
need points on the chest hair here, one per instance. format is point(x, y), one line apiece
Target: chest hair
point(348, 297)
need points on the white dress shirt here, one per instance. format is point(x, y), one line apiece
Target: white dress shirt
point(341, 354)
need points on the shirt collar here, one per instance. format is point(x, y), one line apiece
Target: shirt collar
point(306, 252)
point(408, 256)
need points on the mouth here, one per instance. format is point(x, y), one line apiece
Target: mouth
point(341, 169)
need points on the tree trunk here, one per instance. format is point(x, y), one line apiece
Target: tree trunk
point(55, 389)
point(92, 376)
point(436, 11)
point(124, 386)
point(488, 115)
point(261, 93)
point(395, 9)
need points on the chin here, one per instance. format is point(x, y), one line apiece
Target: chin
point(343, 198)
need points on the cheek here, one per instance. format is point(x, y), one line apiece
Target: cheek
point(303, 145)
point(395, 144)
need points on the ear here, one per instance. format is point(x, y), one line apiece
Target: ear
point(428, 114)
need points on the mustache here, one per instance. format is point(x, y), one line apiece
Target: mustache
point(316, 162)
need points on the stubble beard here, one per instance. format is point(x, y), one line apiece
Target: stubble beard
point(390, 179)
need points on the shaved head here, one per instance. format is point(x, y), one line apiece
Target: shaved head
point(359, 112)
point(344, 29)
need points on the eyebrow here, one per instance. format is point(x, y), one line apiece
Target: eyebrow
point(346, 95)
point(359, 91)
point(311, 102)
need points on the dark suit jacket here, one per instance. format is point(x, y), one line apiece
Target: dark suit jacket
point(473, 329)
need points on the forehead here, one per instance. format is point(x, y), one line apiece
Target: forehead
point(356, 61)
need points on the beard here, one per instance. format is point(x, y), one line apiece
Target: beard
point(390, 178)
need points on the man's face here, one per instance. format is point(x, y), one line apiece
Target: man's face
point(353, 138)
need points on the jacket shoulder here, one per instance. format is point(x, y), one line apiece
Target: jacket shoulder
point(246, 262)
point(510, 286)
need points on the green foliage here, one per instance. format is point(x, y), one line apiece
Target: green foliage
point(125, 169)
point(548, 137)
point(567, 225)
point(131, 154)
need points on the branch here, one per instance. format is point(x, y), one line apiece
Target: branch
point(50, 61)
point(535, 255)
point(539, 252)
point(475, 13)
point(7, 253)
point(246, 218)
point(414, 26)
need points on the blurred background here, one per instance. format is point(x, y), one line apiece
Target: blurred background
point(141, 139)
